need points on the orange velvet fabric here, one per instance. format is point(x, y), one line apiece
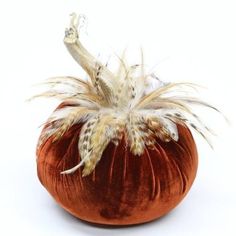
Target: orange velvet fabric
point(124, 189)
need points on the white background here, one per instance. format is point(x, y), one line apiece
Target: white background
point(188, 40)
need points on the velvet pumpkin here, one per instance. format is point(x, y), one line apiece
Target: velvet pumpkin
point(118, 150)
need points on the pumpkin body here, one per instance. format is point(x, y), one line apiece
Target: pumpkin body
point(118, 149)
point(123, 189)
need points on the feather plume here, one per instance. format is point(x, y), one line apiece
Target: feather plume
point(110, 106)
point(134, 131)
point(69, 81)
point(156, 94)
point(61, 120)
point(92, 143)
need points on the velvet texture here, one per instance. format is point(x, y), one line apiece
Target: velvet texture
point(124, 189)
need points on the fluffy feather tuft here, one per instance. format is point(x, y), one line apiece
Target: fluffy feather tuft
point(115, 105)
